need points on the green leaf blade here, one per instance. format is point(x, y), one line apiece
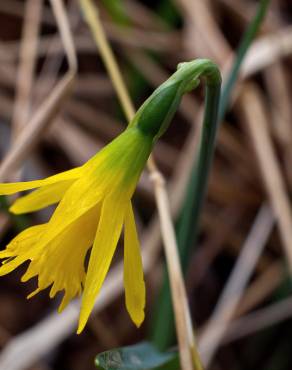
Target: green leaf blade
point(141, 356)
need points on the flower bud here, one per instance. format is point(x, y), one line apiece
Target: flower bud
point(156, 113)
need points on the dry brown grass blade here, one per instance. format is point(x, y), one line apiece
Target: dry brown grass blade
point(24, 80)
point(29, 137)
point(279, 91)
point(259, 320)
point(261, 288)
point(206, 31)
point(150, 41)
point(179, 298)
point(25, 73)
point(44, 115)
point(256, 120)
point(92, 17)
point(26, 70)
point(225, 308)
point(267, 50)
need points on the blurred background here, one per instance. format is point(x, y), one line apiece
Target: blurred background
point(237, 273)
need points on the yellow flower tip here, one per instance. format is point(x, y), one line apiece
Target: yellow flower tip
point(79, 330)
point(53, 291)
point(65, 301)
point(27, 276)
point(138, 318)
point(32, 294)
point(81, 325)
point(14, 209)
point(17, 207)
point(86, 308)
point(60, 309)
point(62, 306)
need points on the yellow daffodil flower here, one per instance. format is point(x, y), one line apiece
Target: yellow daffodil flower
point(95, 203)
point(94, 207)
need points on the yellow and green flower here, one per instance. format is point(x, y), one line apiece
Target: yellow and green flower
point(94, 207)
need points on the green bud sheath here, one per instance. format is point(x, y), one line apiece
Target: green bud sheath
point(155, 115)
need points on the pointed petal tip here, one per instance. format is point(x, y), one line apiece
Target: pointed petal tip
point(13, 209)
point(32, 294)
point(83, 318)
point(139, 319)
point(79, 331)
point(81, 326)
point(61, 308)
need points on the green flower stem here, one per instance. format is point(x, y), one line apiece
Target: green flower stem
point(199, 175)
point(162, 326)
point(155, 115)
point(153, 119)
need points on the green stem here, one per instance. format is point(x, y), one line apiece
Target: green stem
point(199, 175)
point(162, 326)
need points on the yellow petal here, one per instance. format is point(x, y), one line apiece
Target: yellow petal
point(133, 270)
point(60, 264)
point(114, 167)
point(14, 187)
point(21, 248)
point(84, 194)
point(107, 236)
point(81, 197)
point(40, 198)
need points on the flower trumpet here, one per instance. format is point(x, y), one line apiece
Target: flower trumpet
point(94, 206)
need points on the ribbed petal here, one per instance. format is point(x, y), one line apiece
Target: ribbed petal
point(133, 270)
point(80, 198)
point(86, 192)
point(14, 187)
point(107, 236)
point(41, 198)
point(21, 248)
point(61, 263)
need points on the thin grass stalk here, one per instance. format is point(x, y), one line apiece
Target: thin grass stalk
point(232, 293)
point(92, 18)
point(26, 68)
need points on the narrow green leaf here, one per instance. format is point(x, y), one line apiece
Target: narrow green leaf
point(142, 356)
point(167, 10)
point(117, 11)
point(246, 41)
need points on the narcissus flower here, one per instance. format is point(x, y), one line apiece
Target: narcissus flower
point(94, 207)
point(95, 204)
